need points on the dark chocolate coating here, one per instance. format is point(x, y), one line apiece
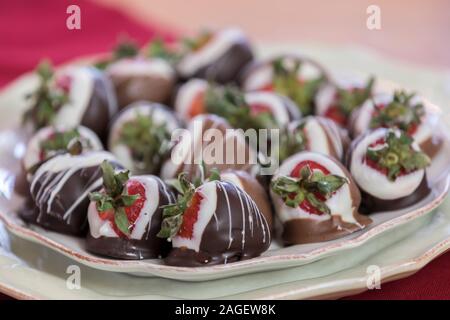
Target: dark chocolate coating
point(131, 88)
point(215, 245)
point(101, 107)
point(126, 249)
point(256, 191)
point(150, 246)
point(53, 219)
point(227, 68)
point(51, 216)
point(371, 204)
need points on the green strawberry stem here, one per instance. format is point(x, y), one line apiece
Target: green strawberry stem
point(291, 141)
point(46, 100)
point(399, 113)
point(350, 100)
point(148, 142)
point(397, 155)
point(69, 141)
point(173, 213)
point(229, 103)
point(126, 48)
point(308, 186)
point(115, 196)
point(158, 49)
point(193, 44)
point(286, 82)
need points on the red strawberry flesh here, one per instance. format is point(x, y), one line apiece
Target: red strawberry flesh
point(190, 217)
point(197, 105)
point(305, 204)
point(134, 187)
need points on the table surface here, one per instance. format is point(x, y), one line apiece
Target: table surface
point(411, 30)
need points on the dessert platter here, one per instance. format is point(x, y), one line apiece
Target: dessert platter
point(91, 172)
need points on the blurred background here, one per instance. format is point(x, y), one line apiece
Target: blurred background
point(414, 30)
point(413, 33)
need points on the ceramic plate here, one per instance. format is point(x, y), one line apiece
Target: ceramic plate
point(11, 146)
point(33, 271)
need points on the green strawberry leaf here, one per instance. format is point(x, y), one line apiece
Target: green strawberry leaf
point(398, 155)
point(294, 191)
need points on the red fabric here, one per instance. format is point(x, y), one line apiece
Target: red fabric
point(31, 30)
point(431, 282)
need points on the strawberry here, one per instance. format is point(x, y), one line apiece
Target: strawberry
point(46, 101)
point(310, 184)
point(400, 113)
point(120, 201)
point(229, 102)
point(197, 105)
point(394, 156)
point(334, 113)
point(64, 82)
point(311, 164)
point(190, 216)
point(258, 108)
point(179, 218)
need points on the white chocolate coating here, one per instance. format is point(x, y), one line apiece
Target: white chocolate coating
point(103, 228)
point(320, 132)
point(326, 95)
point(278, 107)
point(263, 75)
point(33, 150)
point(65, 166)
point(219, 44)
point(142, 67)
point(340, 203)
point(424, 130)
point(186, 94)
point(208, 208)
point(376, 183)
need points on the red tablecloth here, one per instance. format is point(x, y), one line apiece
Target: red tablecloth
point(31, 30)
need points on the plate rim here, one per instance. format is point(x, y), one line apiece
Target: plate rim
point(351, 285)
point(127, 266)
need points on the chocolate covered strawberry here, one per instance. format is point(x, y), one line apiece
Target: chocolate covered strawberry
point(60, 187)
point(124, 217)
point(194, 145)
point(47, 99)
point(71, 96)
point(389, 167)
point(140, 136)
point(214, 223)
point(217, 56)
point(315, 199)
point(337, 101)
point(405, 111)
point(255, 110)
point(312, 133)
point(50, 141)
point(295, 77)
